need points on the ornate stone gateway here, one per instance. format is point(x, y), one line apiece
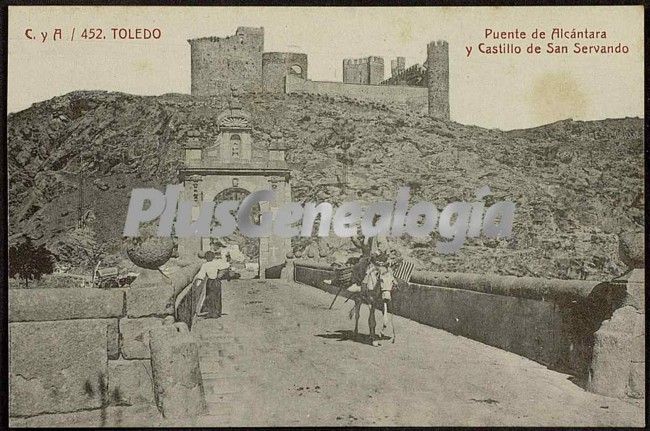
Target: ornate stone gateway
point(229, 169)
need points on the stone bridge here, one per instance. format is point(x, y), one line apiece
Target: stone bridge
point(470, 350)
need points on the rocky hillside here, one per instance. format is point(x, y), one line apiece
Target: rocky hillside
point(577, 185)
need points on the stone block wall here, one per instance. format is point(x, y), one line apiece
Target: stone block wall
point(397, 66)
point(86, 348)
point(375, 70)
point(219, 63)
point(57, 366)
point(413, 99)
point(277, 65)
point(618, 366)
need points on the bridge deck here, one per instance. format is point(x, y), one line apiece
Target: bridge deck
point(280, 357)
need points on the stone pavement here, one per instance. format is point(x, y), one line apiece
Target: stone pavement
point(280, 357)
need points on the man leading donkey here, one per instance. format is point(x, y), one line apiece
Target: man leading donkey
point(370, 281)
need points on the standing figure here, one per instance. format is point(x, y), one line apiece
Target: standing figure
point(211, 271)
point(376, 290)
point(287, 271)
point(387, 282)
point(359, 271)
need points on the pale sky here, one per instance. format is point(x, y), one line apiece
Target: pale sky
point(501, 91)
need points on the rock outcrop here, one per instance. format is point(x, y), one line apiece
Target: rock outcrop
point(577, 185)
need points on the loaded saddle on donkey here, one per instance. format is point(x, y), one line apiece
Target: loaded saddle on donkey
point(371, 280)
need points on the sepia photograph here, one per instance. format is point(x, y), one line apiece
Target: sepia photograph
point(228, 216)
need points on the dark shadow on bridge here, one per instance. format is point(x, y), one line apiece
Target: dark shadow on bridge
point(349, 335)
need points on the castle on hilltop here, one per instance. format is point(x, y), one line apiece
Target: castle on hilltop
point(239, 61)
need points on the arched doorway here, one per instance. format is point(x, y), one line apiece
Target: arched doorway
point(244, 251)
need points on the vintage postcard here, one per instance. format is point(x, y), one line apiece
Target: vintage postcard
point(325, 216)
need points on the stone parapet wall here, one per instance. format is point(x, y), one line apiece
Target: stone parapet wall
point(35, 305)
point(521, 287)
point(618, 365)
point(85, 348)
point(58, 366)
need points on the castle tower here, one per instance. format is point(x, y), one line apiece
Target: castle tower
point(368, 70)
point(397, 66)
point(438, 78)
point(375, 70)
point(218, 63)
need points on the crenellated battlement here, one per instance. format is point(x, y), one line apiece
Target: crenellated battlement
point(367, 70)
point(414, 76)
point(397, 66)
point(438, 44)
point(365, 60)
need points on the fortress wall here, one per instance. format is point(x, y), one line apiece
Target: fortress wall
point(277, 65)
point(355, 71)
point(367, 70)
point(410, 98)
point(219, 63)
point(74, 349)
point(415, 73)
point(553, 322)
point(397, 66)
point(375, 70)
